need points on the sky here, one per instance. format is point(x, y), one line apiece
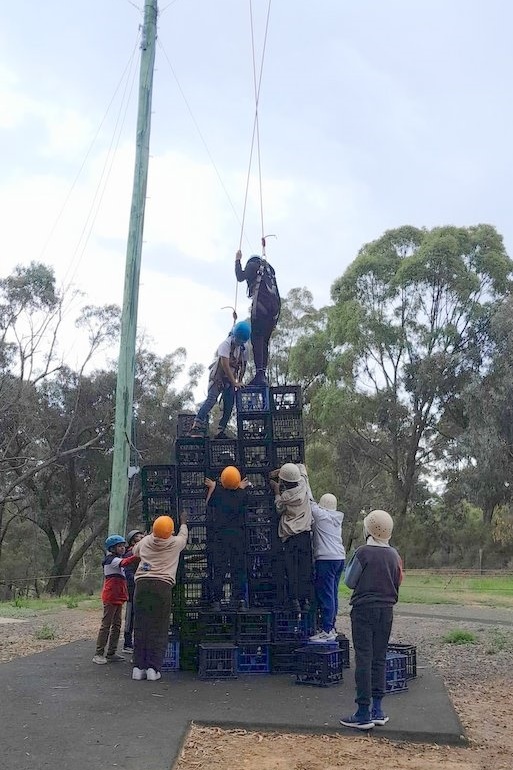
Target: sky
point(372, 115)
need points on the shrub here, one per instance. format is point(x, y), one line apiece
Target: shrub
point(458, 636)
point(45, 632)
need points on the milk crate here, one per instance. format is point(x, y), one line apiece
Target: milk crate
point(222, 452)
point(396, 680)
point(253, 626)
point(261, 510)
point(264, 594)
point(253, 658)
point(197, 539)
point(256, 455)
point(286, 398)
point(189, 655)
point(288, 452)
point(158, 505)
point(192, 595)
point(217, 661)
point(195, 508)
point(319, 666)
point(184, 424)
point(171, 660)
point(261, 538)
point(252, 398)
point(193, 567)
point(258, 484)
point(192, 453)
point(261, 566)
point(191, 482)
point(217, 626)
point(411, 657)
point(287, 426)
point(284, 658)
point(158, 480)
point(292, 626)
point(188, 622)
point(343, 643)
point(255, 428)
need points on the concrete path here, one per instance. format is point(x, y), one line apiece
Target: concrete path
point(60, 711)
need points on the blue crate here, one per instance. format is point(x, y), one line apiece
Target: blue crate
point(292, 626)
point(253, 658)
point(252, 398)
point(158, 479)
point(217, 661)
point(395, 669)
point(411, 657)
point(254, 626)
point(319, 666)
point(171, 660)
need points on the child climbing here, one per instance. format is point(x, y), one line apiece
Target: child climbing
point(329, 557)
point(292, 498)
point(226, 373)
point(265, 309)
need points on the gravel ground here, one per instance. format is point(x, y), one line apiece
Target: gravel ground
point(479, 676)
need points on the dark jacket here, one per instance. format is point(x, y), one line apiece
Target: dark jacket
point(375, 574)
point(262, 287)
point(227, 510)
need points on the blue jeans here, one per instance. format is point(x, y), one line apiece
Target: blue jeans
point(227, 393)
point(327, 577)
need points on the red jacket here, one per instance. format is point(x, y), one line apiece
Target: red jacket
point(115, 588)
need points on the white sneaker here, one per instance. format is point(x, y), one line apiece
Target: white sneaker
point(138, 673)
point(100, 659)
point(152, 675)
point(324, 636)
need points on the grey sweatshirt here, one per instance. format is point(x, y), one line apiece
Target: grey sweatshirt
point(327, 534)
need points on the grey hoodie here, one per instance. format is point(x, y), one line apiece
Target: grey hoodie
point(159, 556)
point(295, 509)
point(327, 537)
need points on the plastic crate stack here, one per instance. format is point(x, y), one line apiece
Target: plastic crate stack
point(158, 487)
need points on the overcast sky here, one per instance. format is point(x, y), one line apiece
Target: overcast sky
point(373, 114)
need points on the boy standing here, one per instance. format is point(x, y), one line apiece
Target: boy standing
point(329, 559)
point(226, 373)
point(374, 573)
point(114, 595)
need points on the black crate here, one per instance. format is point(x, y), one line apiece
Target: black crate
point(256, 455)
point(283, 658)
point(264, 594)
point(222, 452)
point(189, 655)
point(261, 510)
point(195, 508)
point(343, 643)
point(197, 539)
point(217, 661)
point(184, 424)
point(318, 666)
point(261, 566)
point(261, 538)
point(191, 453)
point(411, 657)
point(188, 623)
point(252, 398)
point(158, 480)
point(193, 567)
point(254, 626)
point(288, 452)
point(292, 626)
point(191, 482)
point(192, 595)
point(253, 658)
point(254, 428)
point(287, 427)
point(159, 505)
point(258, 484)
point(286, 398)
point(218, 626)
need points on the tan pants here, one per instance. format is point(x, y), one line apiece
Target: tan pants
point(110, 629)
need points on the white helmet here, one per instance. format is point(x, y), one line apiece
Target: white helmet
point(379, 524)
point(328, 502)
point(289, 472)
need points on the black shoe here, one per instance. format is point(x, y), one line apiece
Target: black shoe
point(221, 434)
point(259, 380)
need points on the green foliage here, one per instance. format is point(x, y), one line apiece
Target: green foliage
point(458, 636)
point(46, 632)
point(71, 602)
point(497, 641)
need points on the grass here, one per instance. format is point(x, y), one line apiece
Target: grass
point(497, 641)
point(45, 632)
point(23, 608)
point(458, 636)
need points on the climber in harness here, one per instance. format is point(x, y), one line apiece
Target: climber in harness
point(265, 309)
point(226, 373)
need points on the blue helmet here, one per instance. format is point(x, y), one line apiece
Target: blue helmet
point(113, 540)
point(242, 331)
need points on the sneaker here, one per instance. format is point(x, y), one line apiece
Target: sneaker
point(152, 675)
point(358, 721)
point(100, 659)
point(128, 648)
point(324, 636)
point(115, 658)
point(138, 673)
point(378, 717)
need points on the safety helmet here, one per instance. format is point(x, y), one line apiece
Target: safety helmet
point(113, 540)
point(132, 534)
point(254, 258)
point(379, 525)
point(242, 331)
point(289, 472)
point(328, 502)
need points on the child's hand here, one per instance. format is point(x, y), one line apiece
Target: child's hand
point(210, 483)
point(183, 518)
point(245, 483)
point(274, 474)
point(275, 486)
point(238, 255)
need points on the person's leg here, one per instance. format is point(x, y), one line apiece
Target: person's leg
point(324, 579)
point(215, 387)
point(219, 563)
point(141, 612)
point(257, 343)
point(304, 566)
point(237, 567)
point(382, 629)
point(336, 582)
point(362, 631)
point(158, 631)
point(103, 633)
point(115, 630)
point(128, 629)
point(269, 327)
point(228, 396)
point(289, 558)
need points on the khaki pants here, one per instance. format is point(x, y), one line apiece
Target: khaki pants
point(110, 629)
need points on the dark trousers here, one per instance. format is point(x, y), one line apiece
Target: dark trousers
point(327, 577)
point(227, 393)
point(261, 330)
point(152, 602)
point(110, 629)
point(129, 620)
point(371, 627)
point(228, 555)
point(297, 555)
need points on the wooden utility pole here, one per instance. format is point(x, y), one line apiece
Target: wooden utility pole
point(126, 363)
